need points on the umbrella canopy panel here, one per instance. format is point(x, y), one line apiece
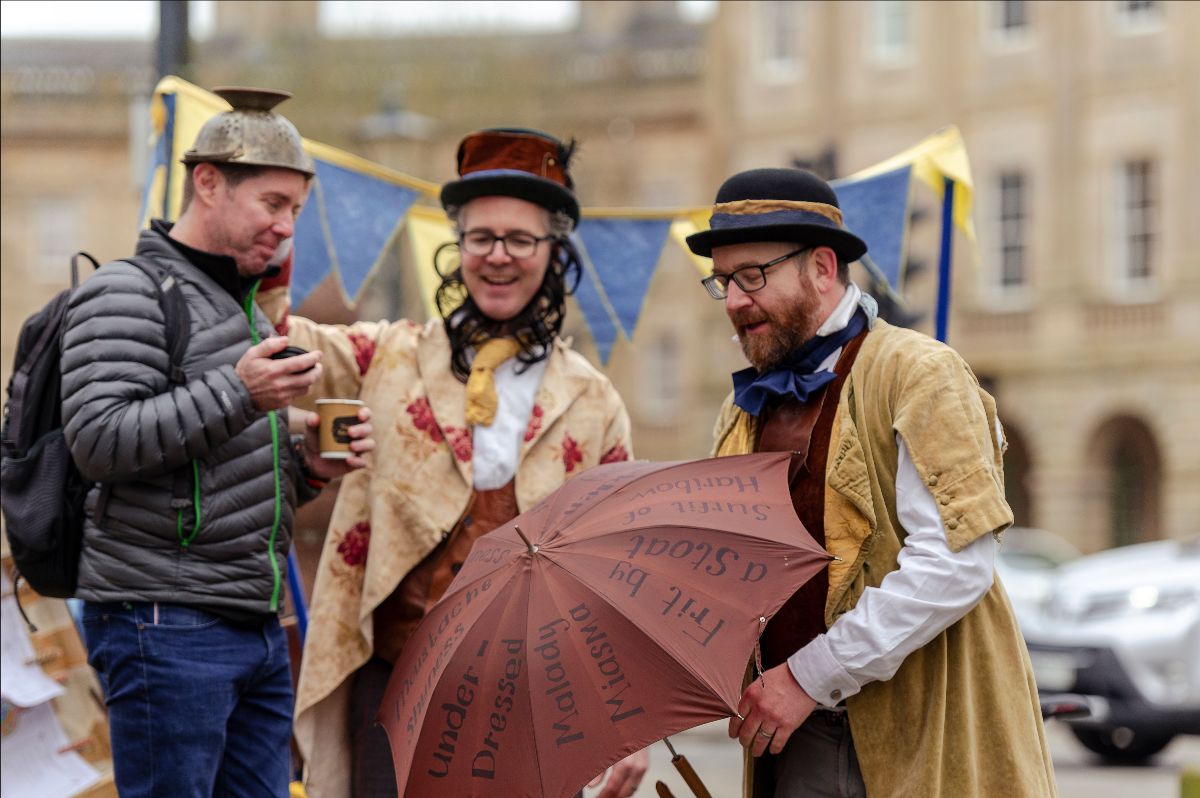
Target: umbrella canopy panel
point(633, 619)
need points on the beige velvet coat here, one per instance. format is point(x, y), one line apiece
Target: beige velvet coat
point(417, 486)
point(961, 716)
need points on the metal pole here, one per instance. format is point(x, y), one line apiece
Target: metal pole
point(297, 589)
point(171, 55)
point(943, 294)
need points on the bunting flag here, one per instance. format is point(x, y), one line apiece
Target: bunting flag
point(352, 214)
point(429, 230)
point(936, 161)
point(940, 162)
point(624, 254)
point(876, 208)
point(692, 222)
point(177, 112)
point(596, 308)
point(356, 210)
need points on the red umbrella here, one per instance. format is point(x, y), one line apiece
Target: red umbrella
point(621, 609)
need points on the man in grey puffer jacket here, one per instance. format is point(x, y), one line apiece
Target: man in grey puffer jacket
point(185, 547)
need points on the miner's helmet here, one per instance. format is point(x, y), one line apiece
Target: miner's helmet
point(250, 133)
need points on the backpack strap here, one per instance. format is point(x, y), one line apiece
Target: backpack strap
point(175, 314)
point(15, 440)
point(75, 266)
point(30, 355)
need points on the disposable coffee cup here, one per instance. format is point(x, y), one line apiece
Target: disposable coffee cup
point(337, 417)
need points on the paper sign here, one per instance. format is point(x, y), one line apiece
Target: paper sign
point(30, 762)
point(22, 681)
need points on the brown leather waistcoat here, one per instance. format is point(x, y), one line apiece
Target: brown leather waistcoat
point(398, 615)
point(804, 428)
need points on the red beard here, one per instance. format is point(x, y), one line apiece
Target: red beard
point(788, 330)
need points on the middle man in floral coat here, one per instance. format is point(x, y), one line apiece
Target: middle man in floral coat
point(478, 416)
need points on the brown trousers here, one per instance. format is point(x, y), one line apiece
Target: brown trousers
point(819, 760)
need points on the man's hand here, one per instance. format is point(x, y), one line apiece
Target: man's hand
point(771, 709)
point(361, 442)
point(275, 383)
point(623, 777)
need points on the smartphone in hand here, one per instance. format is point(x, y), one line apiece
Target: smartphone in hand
point(291, 351)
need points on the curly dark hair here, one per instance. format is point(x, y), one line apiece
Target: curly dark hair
point(534, 328)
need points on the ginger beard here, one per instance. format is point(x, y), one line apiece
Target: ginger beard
point(786, 329)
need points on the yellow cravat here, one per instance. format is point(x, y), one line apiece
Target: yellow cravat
point(481, 384)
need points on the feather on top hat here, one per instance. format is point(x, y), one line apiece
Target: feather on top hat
point(791, 205)
point(514, 162)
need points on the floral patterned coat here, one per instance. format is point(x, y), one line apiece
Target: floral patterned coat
point(391, 514)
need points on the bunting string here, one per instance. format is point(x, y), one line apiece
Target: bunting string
point(357, 210)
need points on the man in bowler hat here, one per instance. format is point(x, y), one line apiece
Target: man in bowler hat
point(899, 671)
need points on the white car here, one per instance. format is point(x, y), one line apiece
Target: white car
point(1122, 628)
point(1027, 563)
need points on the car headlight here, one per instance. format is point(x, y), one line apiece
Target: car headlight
point(1144, 598)
point(1150, 597)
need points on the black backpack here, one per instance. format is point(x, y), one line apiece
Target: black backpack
point(42, 493)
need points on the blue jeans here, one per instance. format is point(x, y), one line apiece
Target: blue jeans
point(197, 707)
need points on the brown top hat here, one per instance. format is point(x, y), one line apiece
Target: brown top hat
point(514, 162)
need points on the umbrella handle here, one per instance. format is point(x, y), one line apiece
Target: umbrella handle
point(689, 776)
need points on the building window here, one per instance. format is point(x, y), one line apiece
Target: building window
point(891, 42)
point(1011, 16)
point(1008, 22)
point(661, 379)
point(1139, 9)
point(1012, 223)
point(1138, 16)
point(56, 233)
point(1006, 281)
point(1136, 224)
point(780, 39)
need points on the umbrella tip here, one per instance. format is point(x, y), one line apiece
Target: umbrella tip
point(532, 548)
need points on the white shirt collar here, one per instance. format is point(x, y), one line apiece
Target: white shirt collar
point(841, 314)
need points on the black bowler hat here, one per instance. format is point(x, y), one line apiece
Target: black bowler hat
point(790, 205)
point(513, 162)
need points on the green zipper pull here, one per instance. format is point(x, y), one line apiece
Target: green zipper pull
point(184, 542)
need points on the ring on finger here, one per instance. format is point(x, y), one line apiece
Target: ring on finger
point(767, 735)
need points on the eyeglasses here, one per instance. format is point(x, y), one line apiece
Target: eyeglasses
point(516, 244)
point(748, 278)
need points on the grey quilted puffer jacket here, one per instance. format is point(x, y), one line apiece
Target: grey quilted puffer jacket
point(146, 441)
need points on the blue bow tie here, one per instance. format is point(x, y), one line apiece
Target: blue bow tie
point(796, 376)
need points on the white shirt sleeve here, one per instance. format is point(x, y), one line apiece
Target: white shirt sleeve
point(932, 589)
